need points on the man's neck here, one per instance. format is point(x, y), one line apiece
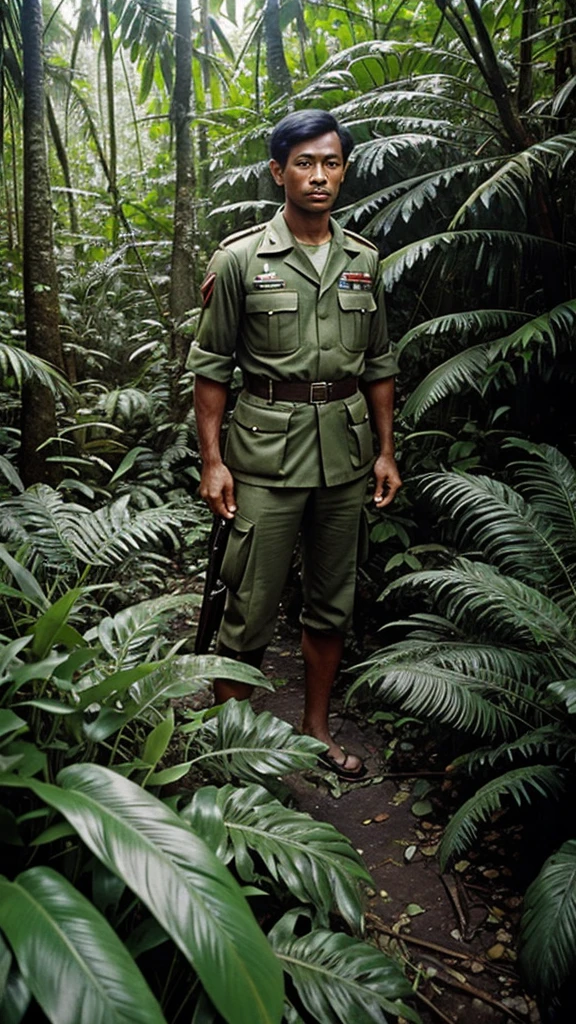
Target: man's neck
point(308, 228)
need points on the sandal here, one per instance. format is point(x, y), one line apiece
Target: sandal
point(339, 769)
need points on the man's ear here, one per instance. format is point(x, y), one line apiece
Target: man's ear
point(276, 172)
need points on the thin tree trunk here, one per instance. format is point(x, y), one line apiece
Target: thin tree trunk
point(525, 76)
point(110, 106)
point(183, 278)
point(279, 81)
point(38, 417)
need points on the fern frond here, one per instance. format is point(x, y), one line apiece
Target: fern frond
point(64, 534)
point(489, 515)
point(548, 741)
point(508, 610)
point(544, 780)
point(549, 483)
point(242, 174)
point(547, 951)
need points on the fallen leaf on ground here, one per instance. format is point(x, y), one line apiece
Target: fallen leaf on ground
point(400, 797)
point(413, 909)
point(461, 866)
point(496, 952)
point(421, 807)
point(381, 817)
point(430, 849)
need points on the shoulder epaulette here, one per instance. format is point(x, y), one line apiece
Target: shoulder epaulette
point(361, 239)
point(239, 235)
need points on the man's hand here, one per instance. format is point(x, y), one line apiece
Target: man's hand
point(217, 488)
point(387, 480)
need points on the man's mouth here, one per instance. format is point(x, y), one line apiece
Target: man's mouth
point(318, 194)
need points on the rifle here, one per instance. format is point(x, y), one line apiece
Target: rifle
point(214, 596)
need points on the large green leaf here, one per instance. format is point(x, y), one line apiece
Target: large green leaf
point(250, 746)
point(191, 894)
point(316, 863)
point(548, 926)
point(70, 958)
point(339, 979)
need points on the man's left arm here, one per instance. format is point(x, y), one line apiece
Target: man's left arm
point(380, 398)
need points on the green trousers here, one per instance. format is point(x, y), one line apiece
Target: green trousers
point(267, 527)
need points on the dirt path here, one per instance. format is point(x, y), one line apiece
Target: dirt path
point(459, 945)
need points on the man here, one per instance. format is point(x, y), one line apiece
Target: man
point(298, 304)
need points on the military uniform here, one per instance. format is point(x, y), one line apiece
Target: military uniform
point(268, 311)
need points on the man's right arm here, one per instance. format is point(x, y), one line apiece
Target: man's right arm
point(216, 482)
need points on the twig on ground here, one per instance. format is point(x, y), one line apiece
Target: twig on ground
point(433, 1008)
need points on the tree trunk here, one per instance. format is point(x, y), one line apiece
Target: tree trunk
point(525, 76)
point(38, 417)
point(110, 106)
point(279, 81)
point(183, 278)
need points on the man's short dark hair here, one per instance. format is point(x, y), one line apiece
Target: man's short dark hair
point(306, 124)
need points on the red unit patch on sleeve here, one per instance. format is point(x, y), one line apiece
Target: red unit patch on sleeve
point(207, 287)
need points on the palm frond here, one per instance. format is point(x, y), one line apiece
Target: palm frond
point(460, 325)
point(514, 180)
point(339, 979)
point(250, 746)
point(506, 609)
point(135, 634)
point(547, 952)
point(241, 174)
point(466, 368)
point(23, 366)
point(479, 689)
point(550, 331)
point(311, 858)
point(480, 245)
point(543, 780)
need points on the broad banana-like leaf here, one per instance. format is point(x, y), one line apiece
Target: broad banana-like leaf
point(249, 746)
point(548, 926)
point(70, 958)
point(175, 874)
point(340, 979)
point(316, 863)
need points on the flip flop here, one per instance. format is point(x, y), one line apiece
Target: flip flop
point(346, 774)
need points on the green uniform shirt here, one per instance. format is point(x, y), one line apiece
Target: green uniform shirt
point(270, 313)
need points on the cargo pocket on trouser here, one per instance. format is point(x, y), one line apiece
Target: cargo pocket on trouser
point(360, 440)
point(237, 552)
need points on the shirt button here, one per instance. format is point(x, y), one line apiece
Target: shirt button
point(254, 430)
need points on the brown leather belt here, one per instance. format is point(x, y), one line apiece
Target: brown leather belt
point(316, 392)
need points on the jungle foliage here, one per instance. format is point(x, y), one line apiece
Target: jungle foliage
point(463, 174)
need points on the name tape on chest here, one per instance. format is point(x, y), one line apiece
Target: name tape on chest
point(268, 281)
point(355, 281)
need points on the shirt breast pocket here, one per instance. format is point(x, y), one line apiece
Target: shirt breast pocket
point(355, 315)
point(272, 322)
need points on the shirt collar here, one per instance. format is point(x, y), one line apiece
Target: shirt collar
point(279, 239)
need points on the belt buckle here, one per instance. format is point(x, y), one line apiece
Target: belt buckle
point(319, 392)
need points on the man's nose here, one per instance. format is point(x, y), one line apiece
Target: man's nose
point(318, 173)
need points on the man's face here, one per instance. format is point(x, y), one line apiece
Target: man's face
point(313, 173)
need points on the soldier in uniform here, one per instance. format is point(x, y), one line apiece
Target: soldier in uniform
point(297, 303)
